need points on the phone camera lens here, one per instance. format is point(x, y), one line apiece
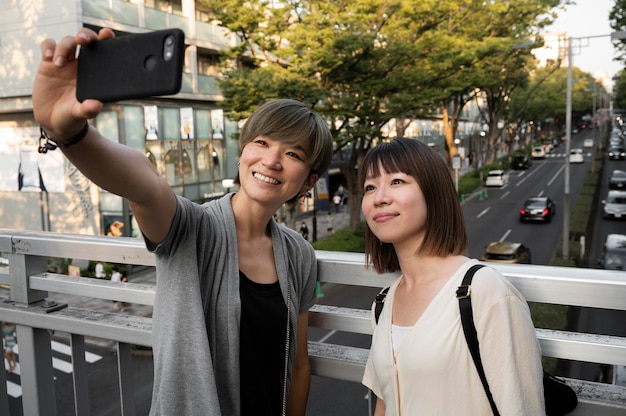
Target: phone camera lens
point(168, 48)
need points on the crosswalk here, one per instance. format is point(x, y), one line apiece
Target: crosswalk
point(556, 155)
point(61, 364)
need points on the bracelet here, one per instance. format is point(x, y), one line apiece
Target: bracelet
point(47, 143)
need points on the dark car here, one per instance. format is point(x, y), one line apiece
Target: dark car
point(617, 180)
point(538, 208)
point(521, 162)
point(616, 153)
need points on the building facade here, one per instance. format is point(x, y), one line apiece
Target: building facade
point(185, 136)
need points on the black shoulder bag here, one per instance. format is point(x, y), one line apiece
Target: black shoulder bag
point(560, 398)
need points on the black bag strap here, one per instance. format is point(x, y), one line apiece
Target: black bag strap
point(380, 302)
point(463, 294)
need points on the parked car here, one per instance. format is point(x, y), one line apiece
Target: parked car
point(497, 178)
point(538, 152)
point(506, 252)
point(588, 143)
point(576, 156)
point(521, 162)
point(617, 179)
point(614, 205)
point(539, 208)
point(616, 153)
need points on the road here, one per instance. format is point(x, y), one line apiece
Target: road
point(600, 321)
point(496, 217)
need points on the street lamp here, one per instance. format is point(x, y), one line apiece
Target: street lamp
point(568, 133)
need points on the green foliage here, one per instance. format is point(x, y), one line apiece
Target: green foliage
point(545, 97)
point(617, 19)
point(469, 182)
point(349, 240)
point(620, 91)
point(363, 63)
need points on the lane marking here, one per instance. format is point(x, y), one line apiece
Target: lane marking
point(483, 213)
point(325, 337)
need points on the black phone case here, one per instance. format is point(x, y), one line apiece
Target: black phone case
point(130, 66)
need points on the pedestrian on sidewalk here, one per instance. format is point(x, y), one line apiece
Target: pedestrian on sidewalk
point(123, 306)
point(337, 202)
point(233, 288)
point(304, 231)
point(100, 270)
point(10, 339)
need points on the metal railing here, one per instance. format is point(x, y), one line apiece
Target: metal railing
point(36, 317)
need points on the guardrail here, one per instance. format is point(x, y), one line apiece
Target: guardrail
point(35, 316)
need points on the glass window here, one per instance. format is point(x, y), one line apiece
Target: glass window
point(172, 167)
point(203, 124)
point(204, 162)
point(217, 160)
point(110, 202)
point(208, 63)
point(171, 123)
point(134, 127)
point(106, 122)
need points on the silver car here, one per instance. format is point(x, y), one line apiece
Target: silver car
point(615, 205)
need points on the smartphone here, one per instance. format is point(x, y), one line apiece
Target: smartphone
point(131, 66)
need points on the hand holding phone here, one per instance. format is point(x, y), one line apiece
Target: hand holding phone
point(131, 66)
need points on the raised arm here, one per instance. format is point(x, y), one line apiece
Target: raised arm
point(117, 168)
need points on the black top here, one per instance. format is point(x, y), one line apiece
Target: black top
point(262, 353)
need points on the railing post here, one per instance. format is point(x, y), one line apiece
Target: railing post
point(81, 382)
point(23, 266)
point(37, 375)
point(125, 371)
point(4, 396)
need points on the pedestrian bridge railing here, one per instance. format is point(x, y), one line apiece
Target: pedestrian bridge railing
point(36, 317)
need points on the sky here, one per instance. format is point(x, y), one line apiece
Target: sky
point(590, 18)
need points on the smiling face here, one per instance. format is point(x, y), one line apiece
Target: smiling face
point(394, 207)
point(273, 171)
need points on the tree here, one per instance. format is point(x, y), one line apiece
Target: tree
point(617, 19)
point(620, 90)
point(360, 63)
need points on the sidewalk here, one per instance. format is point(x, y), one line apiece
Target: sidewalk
point(340, 221)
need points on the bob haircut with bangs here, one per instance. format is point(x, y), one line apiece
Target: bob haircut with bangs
point(291, 122)
point(445, 227)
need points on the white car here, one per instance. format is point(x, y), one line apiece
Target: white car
point(588, 143)
point(538, 153)
point(497, 178)
point(576, 156)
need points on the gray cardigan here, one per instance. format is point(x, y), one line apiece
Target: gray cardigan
point(197, 307)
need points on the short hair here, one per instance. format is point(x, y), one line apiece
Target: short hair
point(292, 122)
point(445, 227)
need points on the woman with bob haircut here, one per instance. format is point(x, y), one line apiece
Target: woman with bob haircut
point(419, 361)
point(234, 288)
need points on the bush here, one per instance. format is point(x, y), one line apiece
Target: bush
point(344, 240)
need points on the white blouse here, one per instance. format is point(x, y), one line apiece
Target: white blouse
point(431, 372)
